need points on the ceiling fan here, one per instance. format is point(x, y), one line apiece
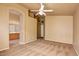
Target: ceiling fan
point(41, 11)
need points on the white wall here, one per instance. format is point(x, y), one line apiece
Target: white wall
point(31, 29)
point(59, 29)
point(76, 31)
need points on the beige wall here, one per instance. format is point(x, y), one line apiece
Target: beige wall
point(59, 28)
point(4, 25)
point(76, 31)
point(4, 32)
point(31, 29)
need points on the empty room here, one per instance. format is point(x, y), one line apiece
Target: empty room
point(39, 29)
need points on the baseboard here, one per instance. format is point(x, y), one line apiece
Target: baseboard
point(59, 41)
point(75, 50)
point(4, 49)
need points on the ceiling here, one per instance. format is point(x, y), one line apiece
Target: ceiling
point(59, 8)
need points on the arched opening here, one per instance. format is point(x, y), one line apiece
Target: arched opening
point(16, 32)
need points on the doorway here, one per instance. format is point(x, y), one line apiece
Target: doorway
point(40, 27)
point(14, 29)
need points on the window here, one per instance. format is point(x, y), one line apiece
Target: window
point(13, 28)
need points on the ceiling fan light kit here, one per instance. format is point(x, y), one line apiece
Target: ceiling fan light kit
point(41, 13)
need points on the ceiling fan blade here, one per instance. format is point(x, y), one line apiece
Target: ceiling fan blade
point(41, 13)
point(34, 10)
point(48, 10)
point(42, 7)
point(43, 10)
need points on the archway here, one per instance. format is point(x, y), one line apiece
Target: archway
point(21, 32)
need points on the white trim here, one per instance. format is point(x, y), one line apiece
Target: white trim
point(4, 49)
point(75, 50)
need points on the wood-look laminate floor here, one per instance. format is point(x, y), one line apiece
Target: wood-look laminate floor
point(40, 48)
